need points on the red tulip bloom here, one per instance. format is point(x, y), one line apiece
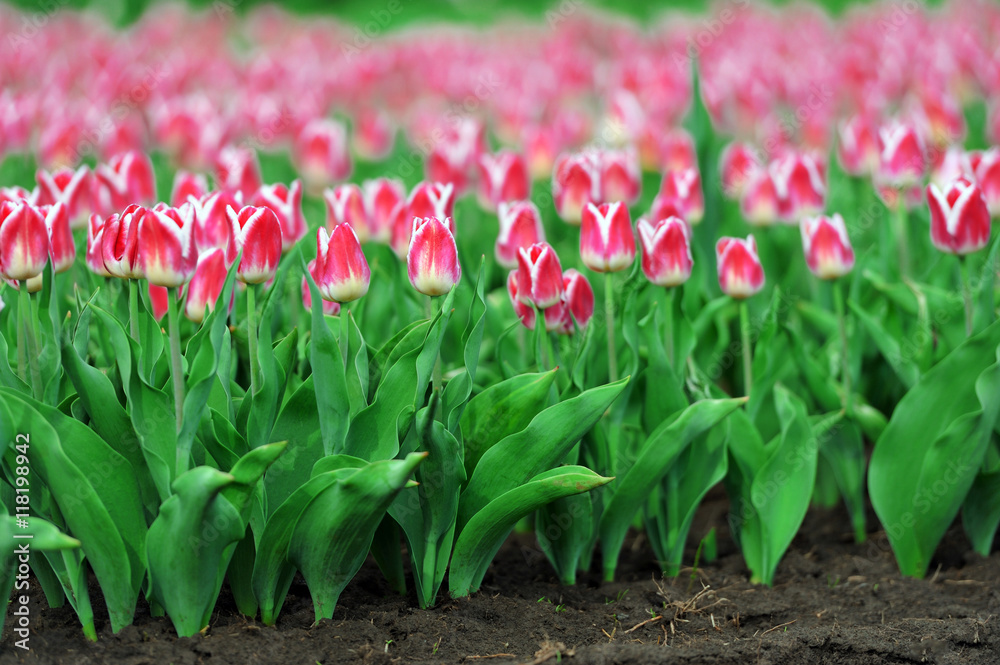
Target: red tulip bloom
point(738, 164)
point(432, 199)
point(800, 185)
point(576, 182)
point(373, 135)
point(345, 205)
point(320, 152)
point(120, 246)
point(286, 203)
point(127, 179)
point(607, 242)
point(666, 251)
point(502, 177)
point(206, 284)
point(24, 241)
point(520, 226)
point(166, 249)
point(62, 249)
point(762, 203)
point(621, 177)
point(902, 157)
point(330, 307)
point(211, 218)
point(159, 299)
point(858, 148)
point(827, 246)
point(681, 191)
point(381, 196)
point(539, 276)
point(740, 272)
point(987, 171)
point(579, 300)
point(72, 188)
point(237, 170)
point(960, 220)
point(341, 271)
point(187, 184)
point(95, 246)
point(432, 259)
point(257, 232)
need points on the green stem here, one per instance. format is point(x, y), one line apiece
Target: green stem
point(747, 349)
point(345, 332)
point(609, 314)
point(963, 267)
point(845, 361)
point(133, 309)
point(902, 241)
point(22, 334)
point(31, 342)
point(436, 376)
point(252, 336)
point(176, 372)
point(670, 326)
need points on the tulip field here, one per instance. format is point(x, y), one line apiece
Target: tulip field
point(387, 338)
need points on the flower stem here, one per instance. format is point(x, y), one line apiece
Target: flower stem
point(176, 370)
point(252, 335)
point(902, 241)
point(31, 345)
point(963, 266)
point(436, 376)
point(133, 308)
point(345, 332)
point(609, 313)
point(670, 326)
point(22, 334)
point(845, 360)
point(747, 348)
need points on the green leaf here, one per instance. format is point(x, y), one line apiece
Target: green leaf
point(981, 510)
point(903, 365)
point(655, 457)
point(456, 393)
point(486, 531)
point(329, 376)
point(565, 529)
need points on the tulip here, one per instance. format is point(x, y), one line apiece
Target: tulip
point(520, 226)
point(72, 188)
point(960, 219)
point(578, 298)
point(432, 259)
point(95, 246)
point(402, 227)
point(206, 284)
point(740, 272)
point(902, 157)
point(341, 271)
point(954, 163)
point(607, 242)
point(165, 245)
point(345, 205)
point(212, 227)
point(381, 196)
point(666, 251)
point(539, 276)
point(432, 199)
point(987, 171)
point(120, 243)
point(126, 180)
point(680, 195)
point(738, 163)
point(257, 232)
point(556, 317)
point(540, 147)
point(320, 152)
point(762, 203)
point(800, 186)
point(330, 307)
point(62, 249)
point(159, 299)
point(24, 241)
point(187, 184)
point(502, 177)
point(16, 194)
point(827, 246)
point(676, 151)
point(858, 148)
point(286, 203)
point(373, 135)
point(576, 183)
point(621, 177)
point(237, 170)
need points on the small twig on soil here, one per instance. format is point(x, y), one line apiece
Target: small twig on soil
point(680, 607)
point(935, 575)
point(492, 655)
point(549, 650)
point(780, 625)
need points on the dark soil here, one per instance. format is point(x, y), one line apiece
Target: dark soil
point(833, 602)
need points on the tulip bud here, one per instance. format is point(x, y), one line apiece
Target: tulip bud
point(72, 188)
point(827, 246)
point(955, 163)
point(166, 249)
point(607, 242)
point(762, 203)
point(120, 243)
point(206, 284)
point(187, 184)
point(987, 171)
point(666, 251)
point(676, 151)
point(578, 298)
point(286, 203)
point(24, 241)
point(539, 276)
point(738, 164)
point(341, 271)
point(373, 135)
point(541, 147)
point(126, 180)
point(95, 246)
point(800, 186)
point(432, 259)
point(556, 316)
point(858, 148)
point(576, 182)
point(432, 199)
point(62, 249)
point(320, 152)
point(330, 307)
point(621, 177)
point(257, 232)
point(17, 194)
point(345, 205)
point(960, 220)
point(159, 299)
point(381, 196)
point(740, 272)
point(402, 227)
point(502, 177)
point(681, 191)
point(520, 226)
point(902, 158)
point(212, 227)
point(237, 170)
